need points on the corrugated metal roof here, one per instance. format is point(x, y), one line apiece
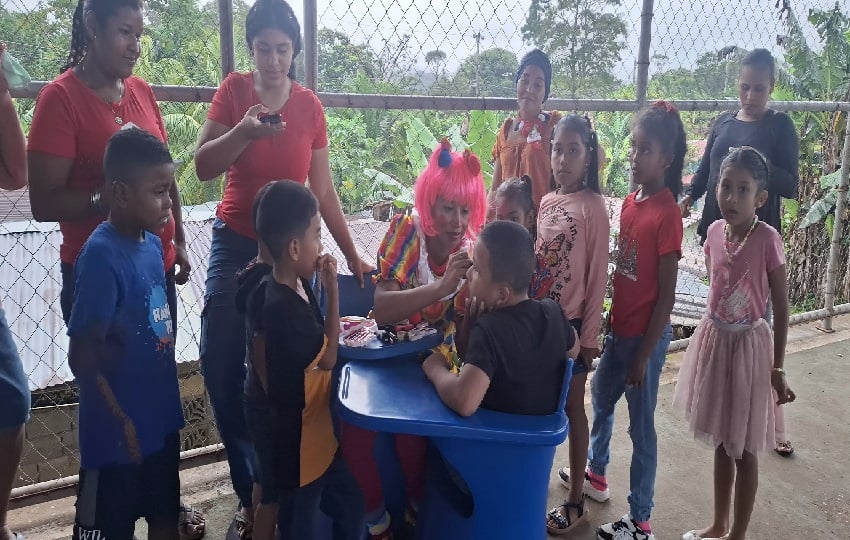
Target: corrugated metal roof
point(30, 283)
point(15, 205)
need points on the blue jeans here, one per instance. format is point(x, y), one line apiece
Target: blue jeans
point(14, 388)
point(222, 351)
point(607, 387)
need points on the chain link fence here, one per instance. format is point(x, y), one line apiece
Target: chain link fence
point(397, 75)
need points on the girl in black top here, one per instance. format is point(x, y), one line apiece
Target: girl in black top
point(754, 124)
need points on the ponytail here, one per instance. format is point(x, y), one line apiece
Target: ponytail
point(662, 123)
point(78, 38)
point(592, 178)
point(519, 191)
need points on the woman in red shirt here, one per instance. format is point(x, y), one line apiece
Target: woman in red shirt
point(262, 126)
point(96, 95)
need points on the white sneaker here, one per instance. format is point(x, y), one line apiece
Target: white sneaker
point(598, 495)
point(624, 529)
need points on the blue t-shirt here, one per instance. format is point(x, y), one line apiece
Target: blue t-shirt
point(120, 296)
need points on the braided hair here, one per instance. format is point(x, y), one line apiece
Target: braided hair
point(751, 160)
point(518, 191)
point(102, 9)
point(583, 127)
point(662, 123)
point(278, 15)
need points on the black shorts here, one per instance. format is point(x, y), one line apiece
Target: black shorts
point(111, 499)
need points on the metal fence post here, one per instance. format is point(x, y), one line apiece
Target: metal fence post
point(642, 76)
point(642, 79)
point(837, 232)
point(225, 29)
point(311, 44)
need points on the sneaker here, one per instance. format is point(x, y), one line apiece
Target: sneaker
point(598, 495)
point(624, 529)
point(381, 530)
point(693, 535)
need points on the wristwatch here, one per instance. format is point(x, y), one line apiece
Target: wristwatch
point(95, 201)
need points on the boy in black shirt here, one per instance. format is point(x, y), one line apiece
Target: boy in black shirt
point(291, 350)
point(514, 349)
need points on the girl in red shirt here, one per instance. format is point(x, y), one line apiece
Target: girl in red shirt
point(261, 126)
point(648, 253)
point(96, 95)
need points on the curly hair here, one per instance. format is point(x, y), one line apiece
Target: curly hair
point(456, 177)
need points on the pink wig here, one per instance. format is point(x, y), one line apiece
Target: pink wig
point(455, 177)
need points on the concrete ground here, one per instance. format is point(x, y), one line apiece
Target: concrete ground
point(806, 496)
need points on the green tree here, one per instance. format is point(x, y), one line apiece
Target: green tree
point(714, 76)
point(819, 72)
point(582, 38)
point(436, 60)
point(493, 71)
point(341, 61)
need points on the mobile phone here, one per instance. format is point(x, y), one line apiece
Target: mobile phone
point(270, 119)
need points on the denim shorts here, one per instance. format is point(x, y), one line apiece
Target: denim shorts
point(578, 366)
point(14, 390)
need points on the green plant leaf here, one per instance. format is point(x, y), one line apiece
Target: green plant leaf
point(421, 142)
point(831, 180)
point(819, 210)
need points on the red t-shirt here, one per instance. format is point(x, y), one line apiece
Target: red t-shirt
point(649, 229)
point(286, 156)
point(72, 122)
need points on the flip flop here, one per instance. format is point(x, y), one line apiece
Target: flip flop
point(243, 528)
point(784, 448)
point(190, 519)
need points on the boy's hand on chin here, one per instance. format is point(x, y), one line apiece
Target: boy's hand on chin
point(327, 267)
point(475, 308)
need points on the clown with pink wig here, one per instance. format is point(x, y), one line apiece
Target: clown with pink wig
point(422, 262)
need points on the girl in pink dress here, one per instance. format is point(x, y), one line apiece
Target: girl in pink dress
point(732, 373)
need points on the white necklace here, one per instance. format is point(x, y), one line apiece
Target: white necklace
point(726, 233)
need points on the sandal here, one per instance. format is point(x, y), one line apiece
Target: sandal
point(563, 522)
point(192, 523)
point(243, 526)
point(784, 448)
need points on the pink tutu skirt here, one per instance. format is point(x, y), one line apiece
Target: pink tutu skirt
point(724, 386)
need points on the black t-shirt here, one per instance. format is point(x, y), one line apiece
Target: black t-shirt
point(284, 334)
point(293, 331)
point(523, 349)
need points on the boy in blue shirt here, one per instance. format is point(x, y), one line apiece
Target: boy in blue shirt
point(122, 353)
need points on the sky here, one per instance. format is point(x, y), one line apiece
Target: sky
point(682, 29)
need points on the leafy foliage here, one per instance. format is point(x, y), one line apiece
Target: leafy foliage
point(493, 71)
point(582, 38)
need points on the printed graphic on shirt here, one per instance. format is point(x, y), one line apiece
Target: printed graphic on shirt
point(554, 270)
point(627, 257)
point(160, 318)
point(733, 306)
